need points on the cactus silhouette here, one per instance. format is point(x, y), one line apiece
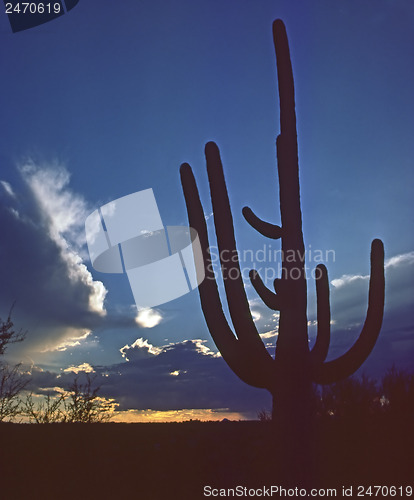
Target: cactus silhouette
point(290, 374)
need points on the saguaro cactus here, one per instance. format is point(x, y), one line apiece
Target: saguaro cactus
point(289, 375)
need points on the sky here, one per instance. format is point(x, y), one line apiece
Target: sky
point(110, 100)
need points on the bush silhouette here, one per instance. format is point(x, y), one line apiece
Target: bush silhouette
point(398, 392)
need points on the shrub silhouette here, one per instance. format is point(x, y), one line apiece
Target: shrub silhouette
point(352, 397)
point(398, 392)
point(12, 383)
point(289, 376)
point(47, 411)
point(363, 397)
point(81, 403)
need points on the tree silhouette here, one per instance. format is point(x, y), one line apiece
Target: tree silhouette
point(289, 375)
point(84, 405)
point(12, 380)
point(8, 334)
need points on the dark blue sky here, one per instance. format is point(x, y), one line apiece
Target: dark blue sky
point(111, 99)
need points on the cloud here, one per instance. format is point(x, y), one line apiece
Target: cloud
point(83, 368)
point(148, 318)
point(265, 319)
point(179, 376)
point(74, 339)
point(349, 293)
point(349, 300)
point(270, 334)
point(63, 211)
point(141, 346)
point(401, 259)
point(182, 375)
point(255, 315)
point(346, 279)
point(397, 261)
point(7, 187)
point(41, 260)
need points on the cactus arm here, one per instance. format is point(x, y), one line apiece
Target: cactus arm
point(271, 299)
point(265, 228)
point(209, 295)
point(236, 296)
point(278, 285)
point(321, 347)
point(253, 366)
point(348, 363)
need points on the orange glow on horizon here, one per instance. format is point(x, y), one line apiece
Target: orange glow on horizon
point(135, 416)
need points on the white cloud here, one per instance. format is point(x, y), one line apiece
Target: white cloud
point(176, 373)
point(50, 390)
point(345, 279)
point(270, 334)
point(203, 349)
point(142, 345)
point(71, 339)
point(84, 367)
point(255, 315)
point(148, 318)
point(64, 211)
point(64, 214)
point(7, 187)
point(141, 348)
point(405, 258)
point(396, 261)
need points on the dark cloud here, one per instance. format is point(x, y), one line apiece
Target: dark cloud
point(180, 376)
point(40, 263)
point(183, 375)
